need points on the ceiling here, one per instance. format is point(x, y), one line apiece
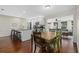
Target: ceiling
point(24, 11)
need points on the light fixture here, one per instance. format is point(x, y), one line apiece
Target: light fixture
point(47, 6)
point(2, 10)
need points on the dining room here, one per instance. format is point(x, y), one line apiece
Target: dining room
point(38, 29)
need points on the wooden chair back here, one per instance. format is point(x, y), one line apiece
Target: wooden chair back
point(39, 42)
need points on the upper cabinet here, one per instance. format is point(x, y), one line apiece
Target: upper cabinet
point(64, 23)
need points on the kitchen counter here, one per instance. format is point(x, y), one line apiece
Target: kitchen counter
point(25, 34)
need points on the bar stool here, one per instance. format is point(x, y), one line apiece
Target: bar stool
point(12, 34)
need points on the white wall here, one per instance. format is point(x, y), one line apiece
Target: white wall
point(23, 23)
point(76, 20)
point(76, 26)
point(78, 34)
point(7, 23)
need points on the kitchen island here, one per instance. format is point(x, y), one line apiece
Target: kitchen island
point(24, 35)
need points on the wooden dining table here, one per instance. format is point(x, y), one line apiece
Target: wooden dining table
point(49, 36)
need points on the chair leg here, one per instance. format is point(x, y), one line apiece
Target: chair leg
point(43, 50)
point(11, 35)
point(35, 48)
point(31, 45)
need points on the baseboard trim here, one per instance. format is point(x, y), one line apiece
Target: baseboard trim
point(4, 36)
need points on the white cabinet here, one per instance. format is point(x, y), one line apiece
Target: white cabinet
point(25, 34)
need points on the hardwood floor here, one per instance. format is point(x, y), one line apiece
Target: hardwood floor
point(14, 46)
point(67, 46)
point(10, 46)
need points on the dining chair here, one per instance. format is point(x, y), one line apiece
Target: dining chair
point(12, 34)
point(37, 33)
point(56, 43)
point(18, 35)
point(15, 35)
point(39, 42)
point(32, 42)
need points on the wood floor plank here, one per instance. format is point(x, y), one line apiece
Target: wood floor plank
point(15, 46)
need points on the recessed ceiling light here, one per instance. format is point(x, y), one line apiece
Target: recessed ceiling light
point(47, 6)
point(1, 10)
